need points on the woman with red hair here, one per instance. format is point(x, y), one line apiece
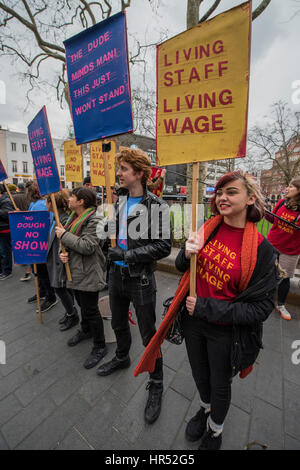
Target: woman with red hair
point(235, 284)
point(286, 239)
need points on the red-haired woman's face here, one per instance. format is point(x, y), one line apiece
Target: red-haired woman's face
point(232, 199)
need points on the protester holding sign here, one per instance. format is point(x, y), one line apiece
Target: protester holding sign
point(87, 265)
point(286, 240)
point(55, 266)
point(46, 291)
point(236, 282)
point(5, 242)
point(132, 263)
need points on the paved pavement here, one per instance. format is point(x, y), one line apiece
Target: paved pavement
point(49, 401)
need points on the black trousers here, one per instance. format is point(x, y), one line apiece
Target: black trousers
point(142, 293)
point(208, 346)
point(67, 299)
point(45, 288)
point(283, 290)
point(91, 320)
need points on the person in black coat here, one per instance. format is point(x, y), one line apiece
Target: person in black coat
point(6, 206)
point(236, 282)
point(55, 266)
point(141, 241)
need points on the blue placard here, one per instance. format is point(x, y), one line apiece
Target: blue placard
point(98, 77)
point(3, 174)
point(209, 189)
point(29, 236)
point(43, 154)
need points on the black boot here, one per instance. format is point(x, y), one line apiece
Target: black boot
point(113, 365)
point(210, 441)
point(63, 319)
point(71, 320)
point(153, 406)
point(96, 355)
point(196, 426)
point(80, 336)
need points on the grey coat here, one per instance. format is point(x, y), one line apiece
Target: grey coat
point(86, 259)
point(54, 265)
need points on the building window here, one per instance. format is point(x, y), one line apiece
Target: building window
point(88, 163)
point(14, 166)
point(25, 167)
point(62, 170)
point(13, 146)
point(24, 148)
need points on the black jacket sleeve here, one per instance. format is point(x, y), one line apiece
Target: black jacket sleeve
point(234, 313)
point(181, 262)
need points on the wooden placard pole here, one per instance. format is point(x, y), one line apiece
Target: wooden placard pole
point(55, 211)
point(193, 265)
point(106, 147)
point(37, 291)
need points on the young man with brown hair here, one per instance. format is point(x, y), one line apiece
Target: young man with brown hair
point(132, 264)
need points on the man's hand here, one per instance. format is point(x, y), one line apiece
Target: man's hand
point(190, 304)
point(192, 246)
point(115, 254)
point(59, 231)
point(64, 257)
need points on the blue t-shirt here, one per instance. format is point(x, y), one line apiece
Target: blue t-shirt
point(122, 237)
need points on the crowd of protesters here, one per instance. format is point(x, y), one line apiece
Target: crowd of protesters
point(237, 276)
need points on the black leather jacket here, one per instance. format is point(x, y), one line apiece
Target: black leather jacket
point(148, 236)
point(6, 206)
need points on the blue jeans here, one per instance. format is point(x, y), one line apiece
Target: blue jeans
point(5, 254)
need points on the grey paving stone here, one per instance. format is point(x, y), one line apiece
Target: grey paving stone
point(21, 425)
point(269, 378)
point(12, 381)
point(183, 381)
point(242, 390)
point(236, 427)
point(47, 435)
point(9, 407)
point(174, 356)
point(266, 426)
point(73, 441)
point(292, 409)
point(100, 419)
point(3, 444)
point(291, 371)
point(291, 443)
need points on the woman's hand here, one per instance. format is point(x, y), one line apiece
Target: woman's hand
point(59, 231)
point(64, 257)
point(190, 304)
point(192, 246)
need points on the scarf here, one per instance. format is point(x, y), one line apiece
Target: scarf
point(248, 262)
point(74, 224)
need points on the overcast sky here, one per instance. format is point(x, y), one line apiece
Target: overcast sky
point(275, 61)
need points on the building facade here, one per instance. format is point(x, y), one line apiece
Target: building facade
point(16, 156)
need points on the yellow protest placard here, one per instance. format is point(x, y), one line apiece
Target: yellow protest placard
point(97, 164)
point(73, 161)
point(202, 90)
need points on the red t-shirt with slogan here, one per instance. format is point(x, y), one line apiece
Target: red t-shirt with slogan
point(219, 267)
point(283, 236)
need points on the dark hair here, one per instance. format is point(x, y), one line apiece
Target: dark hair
point(21, 186)
point(33, 193)
point(87, 194)
point(256, 211)
point(2, 189)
